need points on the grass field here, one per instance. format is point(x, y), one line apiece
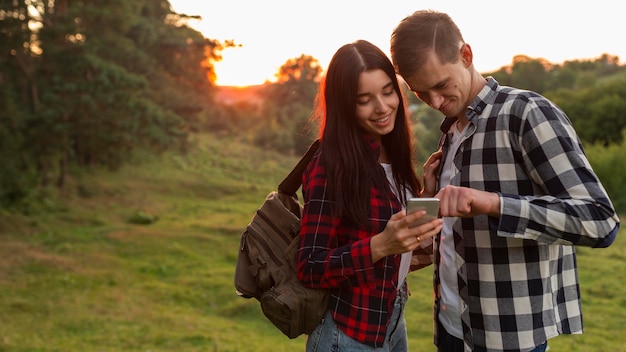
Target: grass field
point(143, 260)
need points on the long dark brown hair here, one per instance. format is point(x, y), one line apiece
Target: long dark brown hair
point(352, 167)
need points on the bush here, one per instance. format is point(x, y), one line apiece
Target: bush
point(141, 217)
point(608, 163)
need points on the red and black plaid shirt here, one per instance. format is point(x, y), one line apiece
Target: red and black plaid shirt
point(363, 292)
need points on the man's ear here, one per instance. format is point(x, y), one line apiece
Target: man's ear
point(466, 54)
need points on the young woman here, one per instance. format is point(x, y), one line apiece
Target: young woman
point(355, 236)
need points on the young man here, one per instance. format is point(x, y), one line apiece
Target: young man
point(517, 195)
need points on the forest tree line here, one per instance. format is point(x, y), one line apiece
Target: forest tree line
point(86, 84)
point(90, 83)
point(592, 92)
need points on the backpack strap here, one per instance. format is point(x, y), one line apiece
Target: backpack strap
point(293, 181)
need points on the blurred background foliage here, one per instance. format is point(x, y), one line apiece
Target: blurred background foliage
point(100, 83)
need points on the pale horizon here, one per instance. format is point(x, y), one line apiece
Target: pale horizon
point(273, 31)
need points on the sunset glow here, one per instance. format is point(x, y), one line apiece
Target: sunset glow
point(272, 31)
point(237, 69)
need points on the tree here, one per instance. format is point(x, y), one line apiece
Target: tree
point(529, 73)
point(541, 76)
point(288, 105)
point(90, 83)
point(606, 162)
point(18, 99)
point(98, 104)
point(596, 112)
point(297, 81)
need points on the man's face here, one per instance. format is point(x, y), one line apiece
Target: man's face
point(445, 87)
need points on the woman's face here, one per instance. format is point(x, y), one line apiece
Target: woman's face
point(377, 103)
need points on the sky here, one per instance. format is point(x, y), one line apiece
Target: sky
point(272, 31)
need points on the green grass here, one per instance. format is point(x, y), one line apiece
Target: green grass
point(85, 275)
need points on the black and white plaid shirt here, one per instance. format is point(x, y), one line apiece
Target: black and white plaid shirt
point(517, 275)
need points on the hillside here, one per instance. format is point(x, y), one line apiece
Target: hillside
point(143, 259)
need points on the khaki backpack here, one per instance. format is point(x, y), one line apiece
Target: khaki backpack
point(266, 262)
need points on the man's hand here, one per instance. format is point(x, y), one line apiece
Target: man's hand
point(467, 202)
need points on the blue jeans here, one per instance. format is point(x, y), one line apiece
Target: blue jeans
point(327, 337)
point(450, 343)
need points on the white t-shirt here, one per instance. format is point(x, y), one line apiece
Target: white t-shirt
point(405, 261)
point(450, 313)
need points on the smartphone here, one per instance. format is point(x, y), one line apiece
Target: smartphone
point(431, 205)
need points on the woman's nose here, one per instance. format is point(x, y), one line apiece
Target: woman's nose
point(381, 107)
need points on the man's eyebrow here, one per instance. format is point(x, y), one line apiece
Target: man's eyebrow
point(435, 86)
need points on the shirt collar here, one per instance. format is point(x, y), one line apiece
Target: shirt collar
point(476, 107)
point(480, 101)
point(374, 144)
